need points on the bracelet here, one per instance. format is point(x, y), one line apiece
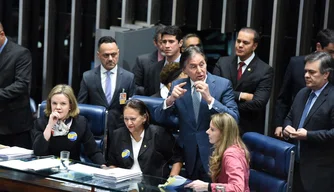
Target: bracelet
point(209, 187)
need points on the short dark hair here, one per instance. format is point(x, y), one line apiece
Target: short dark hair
point(325, 37)
point(251, 30)
point(106, 39)
point(170, 72)
point(139, 106)
point(188, 53)
point(158, 30)
point(172, 30)
point(324, 58)
point(189, 35)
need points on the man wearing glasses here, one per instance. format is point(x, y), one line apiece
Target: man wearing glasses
point(15, 114)
point(108, 85)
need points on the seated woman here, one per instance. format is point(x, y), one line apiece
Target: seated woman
point(62, 128)
point(143, 146)
point(229, 162)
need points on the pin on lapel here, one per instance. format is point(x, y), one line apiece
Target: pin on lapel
point(144, 146)
point(249, 69)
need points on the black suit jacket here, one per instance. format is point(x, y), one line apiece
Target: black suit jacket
point(153, 80)
point(141, 70)
point(158, 150)
point(293, 82)
point(256, 79)
point(15, 70)
point(316, 152)
point(91, 92)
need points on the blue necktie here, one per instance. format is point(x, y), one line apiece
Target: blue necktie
point(108, 87)
point(302, 120)
point(196, 102)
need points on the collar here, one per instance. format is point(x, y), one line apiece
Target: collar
point(177, 60)
point(318, 92)
point(141, 135)
point(1, 48)
point(192, 82)
point(247, 61)
point(104, 70)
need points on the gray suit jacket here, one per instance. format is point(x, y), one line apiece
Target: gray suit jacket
point(15, 70)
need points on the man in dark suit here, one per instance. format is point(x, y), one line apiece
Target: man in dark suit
point(310, 123)
point(294, 78)
point(194, 100)
point(191, 39)
point(15, 115)
point(145, 61)
point(251, 79)
point(172, 42)
point(108, 85)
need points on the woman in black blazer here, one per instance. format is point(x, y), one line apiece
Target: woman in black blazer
point(143, 146)
point(63, 129)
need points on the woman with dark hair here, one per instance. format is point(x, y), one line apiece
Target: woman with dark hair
point(63, 129)
point(143, 146)
point(229, 162)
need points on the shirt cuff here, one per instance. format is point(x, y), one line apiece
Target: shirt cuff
point(239, 96)
point(165, 105)
point(211, 104)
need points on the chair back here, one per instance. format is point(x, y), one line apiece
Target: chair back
point(272, 163)
point(172, 123)
point(97, 123)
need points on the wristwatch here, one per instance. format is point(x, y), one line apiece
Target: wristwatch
point(220, 188)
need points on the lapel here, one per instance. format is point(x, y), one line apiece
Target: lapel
point(127, 145)
point(97, 80)
point(5, 53)
point(248, 71)
point(154, 57)
point(320, 100)
point(233, 71)
point(188, 102)
point(146, 141)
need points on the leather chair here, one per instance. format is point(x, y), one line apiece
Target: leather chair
point(97, 122)
point(272, 163)
point(152, 103)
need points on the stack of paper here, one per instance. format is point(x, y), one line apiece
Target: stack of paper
point(34, 165)
point(15, 153)
point(118, 174)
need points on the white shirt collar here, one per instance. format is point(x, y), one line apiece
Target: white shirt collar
point(247, 61)
point(103, 70)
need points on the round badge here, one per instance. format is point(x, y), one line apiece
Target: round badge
point(72, 136)
point(126, 153)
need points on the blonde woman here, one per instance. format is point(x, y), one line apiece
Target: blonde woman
point(229, 162)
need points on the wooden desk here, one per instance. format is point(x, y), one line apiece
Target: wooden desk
point(11, 180)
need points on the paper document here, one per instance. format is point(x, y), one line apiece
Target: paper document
point(10, 153)
point(34, 165)
point(175, 182)
point(118, 174)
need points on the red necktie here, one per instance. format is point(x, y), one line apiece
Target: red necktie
point(240, 70)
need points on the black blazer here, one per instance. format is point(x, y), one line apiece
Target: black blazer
point(153, 80)
point(15, 70)
point(316, 152)
point(60, 143)
point(158, 150)
point(293, 82)
point(256, 79)
point(141, 70)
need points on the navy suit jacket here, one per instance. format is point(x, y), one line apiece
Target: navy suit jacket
point(256, 79)
point(15, 70)
point(91, 92)
point(141, 70)
point(316, 152)
point(158, 150)
point(192, 134)
point(293, 82)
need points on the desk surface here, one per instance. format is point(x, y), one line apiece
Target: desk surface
point(53, 180)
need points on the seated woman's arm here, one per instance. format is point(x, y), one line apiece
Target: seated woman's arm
point(40, 144)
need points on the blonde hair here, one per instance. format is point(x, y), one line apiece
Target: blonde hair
point(229, 135)
point(68, 92)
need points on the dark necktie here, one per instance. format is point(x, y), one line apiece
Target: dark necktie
point(108, 87)
point(241, 64)
point(196, 102)
point(302, 120)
